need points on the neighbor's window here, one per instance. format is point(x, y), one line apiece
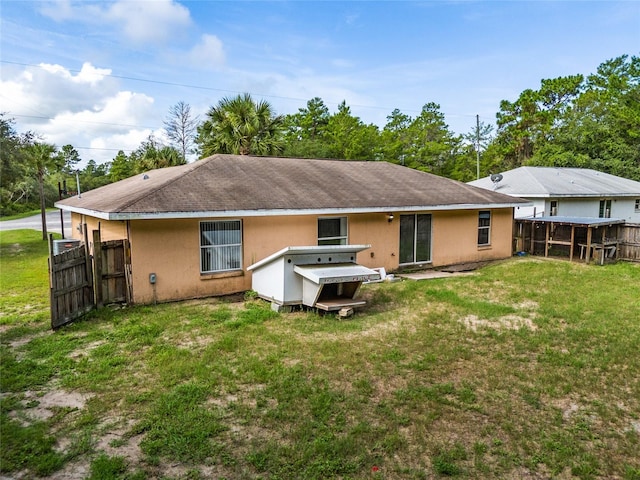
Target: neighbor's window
point(605, 209)
point(332, 231)
point(554, 208)
point(484, 227)
point(220, 246)
point(638, 205)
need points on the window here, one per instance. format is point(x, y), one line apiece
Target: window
point(220, 246)
point(637, 205)
point(484, 227)
point(605, 209)
point(415, 238)
point(554, 208)
point(332, 231)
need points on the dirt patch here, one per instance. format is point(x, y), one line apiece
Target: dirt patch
point(22, 341)
point(508, 322)
point(45, 404)
point(83, 352)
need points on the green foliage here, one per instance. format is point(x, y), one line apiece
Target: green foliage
point(107, 468)
point(179, 427)
point(240, 126)
point(574, 121)
point(27, 447)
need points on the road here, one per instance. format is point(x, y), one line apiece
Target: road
point(35, 223)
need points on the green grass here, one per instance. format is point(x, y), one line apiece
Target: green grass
point(526, 368)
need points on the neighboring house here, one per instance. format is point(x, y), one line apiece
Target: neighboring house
point(568, 192)
point(197, 227)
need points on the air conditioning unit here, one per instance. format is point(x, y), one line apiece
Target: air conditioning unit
point(60, 246)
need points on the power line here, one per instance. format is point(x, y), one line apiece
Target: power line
point(213, 89)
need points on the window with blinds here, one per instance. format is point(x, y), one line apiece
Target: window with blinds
point(220, 246)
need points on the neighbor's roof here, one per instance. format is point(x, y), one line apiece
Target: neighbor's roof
point(234, 185)
point(534, 182)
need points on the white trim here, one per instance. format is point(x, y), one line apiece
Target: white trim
point(283, 212)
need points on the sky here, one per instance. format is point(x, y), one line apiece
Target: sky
point(102, 76)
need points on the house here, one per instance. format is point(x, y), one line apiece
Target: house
point(195, 229)
point(568, 192)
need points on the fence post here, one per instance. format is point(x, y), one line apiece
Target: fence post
point(97, 268)
point(53, 304)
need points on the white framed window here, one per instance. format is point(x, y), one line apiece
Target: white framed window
point(553, 208)
point(220, 246)
point(332, 231)
point(605, 209)
point(637, 205)
point(484, 227)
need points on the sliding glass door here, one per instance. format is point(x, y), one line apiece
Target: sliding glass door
point(415, 238)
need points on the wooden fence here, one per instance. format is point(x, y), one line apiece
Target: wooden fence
point(80, 282)
point(629, 242)
point(70, 285)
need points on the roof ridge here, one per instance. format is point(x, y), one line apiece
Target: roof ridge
point(195, 165)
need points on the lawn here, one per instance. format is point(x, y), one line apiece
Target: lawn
point(529, 368)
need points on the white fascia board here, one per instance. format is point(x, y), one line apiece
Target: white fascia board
point(577, 196)
point(288, 212)
point(86, 211)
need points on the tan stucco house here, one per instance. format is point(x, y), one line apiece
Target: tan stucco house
point(198, 227)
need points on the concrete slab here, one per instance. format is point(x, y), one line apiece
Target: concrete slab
point(430, 274)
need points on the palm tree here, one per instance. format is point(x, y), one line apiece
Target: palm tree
point(241, 126)
point(42, 160)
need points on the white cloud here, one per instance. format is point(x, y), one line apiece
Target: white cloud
point(84, 109)
point(157, 21)
point(208, 54)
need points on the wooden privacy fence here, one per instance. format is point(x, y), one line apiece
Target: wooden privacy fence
point(629, 242)
point(80, 282)
point(70, 284)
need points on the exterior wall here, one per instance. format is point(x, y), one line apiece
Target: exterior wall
point(171, 248)
point(538, 208)
point(455, 237)
point(109, 229)
point(623, 208)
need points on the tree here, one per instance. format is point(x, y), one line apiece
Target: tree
point(12, 165)
point(121, 167)
point(43, 160)
point(476, 141)
point(241, 126)
point(181, 128)
point(528, 123)
point(305, 132)
point(395, 137)
point(429, 144)
point(349, 138)
point(151, 154)
point(69, 157)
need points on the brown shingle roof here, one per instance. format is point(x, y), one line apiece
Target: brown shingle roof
point(264, 185)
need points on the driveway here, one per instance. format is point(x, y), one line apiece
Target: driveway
point(34, 222)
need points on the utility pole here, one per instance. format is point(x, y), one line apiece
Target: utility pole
point(478, 147)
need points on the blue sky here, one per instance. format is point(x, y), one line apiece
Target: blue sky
point(103, 75)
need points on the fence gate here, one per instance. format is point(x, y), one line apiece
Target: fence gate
point(112, 270)
point(70, 284)
point(80, 282)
